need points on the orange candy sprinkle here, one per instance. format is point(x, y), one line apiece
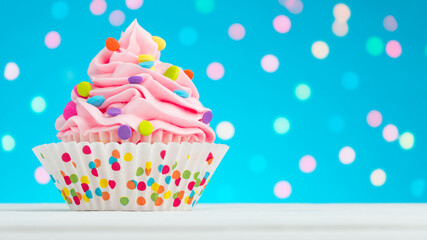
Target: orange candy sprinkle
point(112, 44)
point(189, 73)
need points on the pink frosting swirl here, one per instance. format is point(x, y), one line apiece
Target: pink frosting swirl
point(173, 117)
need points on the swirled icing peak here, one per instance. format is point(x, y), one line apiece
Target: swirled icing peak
point(134, 97)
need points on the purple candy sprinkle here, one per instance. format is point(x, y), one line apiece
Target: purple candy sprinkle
point(114, 111)
point(207, 117)
point(135, 79)
point(124, 132)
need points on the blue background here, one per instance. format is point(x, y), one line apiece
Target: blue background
point(247, 96)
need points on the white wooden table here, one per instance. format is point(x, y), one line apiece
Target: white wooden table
point(215, 221)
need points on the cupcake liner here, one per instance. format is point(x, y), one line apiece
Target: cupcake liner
point(112, 136)
point(129, 176)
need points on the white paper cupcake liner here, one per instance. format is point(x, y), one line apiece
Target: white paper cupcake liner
point(130, 177)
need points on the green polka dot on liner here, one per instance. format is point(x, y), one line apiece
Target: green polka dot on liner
point(375, 46)
point(139, 171)
point(154, 196)
point(205, 6)
point(124, 201)
point(186, 174)
point(74, 178)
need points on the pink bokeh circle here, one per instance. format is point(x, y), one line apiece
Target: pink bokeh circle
point(307, 164)
point(282, 24)
point(270, 63)
point(393, 49)
point(41, 176)
point(236, 31)
point(347, 155)
point(98, 7)
point(52, 40)
point(282, 189)
point(390, 23)
point(390, 133)
point(117, 18)
point(215, 71)
point(374, 118)
point(134, 4)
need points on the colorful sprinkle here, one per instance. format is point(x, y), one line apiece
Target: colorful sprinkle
point(181, 93)
point(124, 201)
point(66, 157)
point(189, 73)
point(84, 88)
point(96, 101)
point(148, 64)
point(124, 132)
point(145, 128)
point(69, 110)
point(172, 72)
point(112, 44)
point(135, 80)
point(145, 58)
point(161, 44)
point(207, 117)
point(114, 111)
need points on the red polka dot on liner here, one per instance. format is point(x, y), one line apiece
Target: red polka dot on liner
point(86, 150)
point(66, 157)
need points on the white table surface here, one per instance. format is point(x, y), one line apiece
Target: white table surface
point(219, 221)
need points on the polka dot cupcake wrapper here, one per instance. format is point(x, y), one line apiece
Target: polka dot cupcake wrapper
point(130, 177)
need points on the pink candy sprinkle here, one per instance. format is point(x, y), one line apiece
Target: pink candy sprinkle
point(69, 110)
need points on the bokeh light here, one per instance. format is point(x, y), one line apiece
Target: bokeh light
point(393, 49)
point(418, 187)
point(407, 140)
point(341, 12)
point(41, 176)
point(282, 189)
point(350, 81)
point(116, 18)
point(390, 23)
point(134, 4)
point(257, 163)
point(236, 31)
point(281, 125)
point(98, 7)
point(302, 92)
point(38, 104)
point(340, 29)
point(375, 46)
point(307, 164)
point(293, 6)
point(282, 24)
point(225, 130)
point(205, 6)
point(52, 40)
point(270, 63)
point(187, 36)
point(8, 143)
point(336, 124)
point(347, 155)
point(374, 118)
point(390, 133)
point(378, 177)
point(59, 10)
point(320, 50)
point(215, 71)
point(11, 71)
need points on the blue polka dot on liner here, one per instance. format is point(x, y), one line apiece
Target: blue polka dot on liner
point(181, 93)
point(96, 101)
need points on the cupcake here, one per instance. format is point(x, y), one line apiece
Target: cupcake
point(135, 137)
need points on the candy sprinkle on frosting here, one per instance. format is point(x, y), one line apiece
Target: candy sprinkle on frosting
point(148, 64)
point(69, 110)
point(207, 117)
point(172, 72)
point(96, 101)
point(189, 73)
point(145, 128)
point(161, 44)
point(114, 111)
point(181, 93)
point(112, 44)
point(135, 80)
point(124, 132)
point(84, 88)
point(145, 58)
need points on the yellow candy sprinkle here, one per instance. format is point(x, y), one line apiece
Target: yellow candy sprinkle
point(66, 191)
point(83, 89)
point(145, 58)
point(103, 183)
point(167, 194)
point(152, 68)
point(85, 198)
point(145, 128)
point(155, 187)
point(84, 179)
point(161, 44)
point(148, 165)
point(128, 157)
point(172, 72)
